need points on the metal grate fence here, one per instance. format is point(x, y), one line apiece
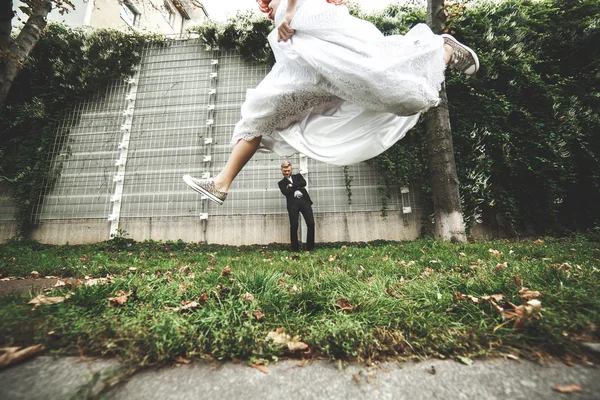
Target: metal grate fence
point(123, 153)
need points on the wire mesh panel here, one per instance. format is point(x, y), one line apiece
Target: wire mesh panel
point(84, 156)
point(168, 130)
point(7, 206)
point(181, 117)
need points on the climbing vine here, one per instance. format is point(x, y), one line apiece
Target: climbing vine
point(66, 66)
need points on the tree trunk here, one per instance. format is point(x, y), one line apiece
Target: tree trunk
point(15, 52)
point(449, 224)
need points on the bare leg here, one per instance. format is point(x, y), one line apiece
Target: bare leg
point(447, 53)
point(242, 152)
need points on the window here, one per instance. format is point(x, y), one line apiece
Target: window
point(168, 13)
point(130, 13)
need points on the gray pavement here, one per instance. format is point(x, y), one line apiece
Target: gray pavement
point(49, 378)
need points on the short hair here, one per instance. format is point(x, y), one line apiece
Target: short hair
point(286, 164)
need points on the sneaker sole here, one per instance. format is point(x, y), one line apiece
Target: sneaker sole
point(470, 50)
point(188, 180)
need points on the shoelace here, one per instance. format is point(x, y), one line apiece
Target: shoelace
point(461, 59)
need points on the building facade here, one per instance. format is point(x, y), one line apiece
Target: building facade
point(168, 17)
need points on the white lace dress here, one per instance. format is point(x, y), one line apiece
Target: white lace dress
point(340, 92)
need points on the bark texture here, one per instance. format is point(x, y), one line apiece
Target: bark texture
point(14, 52)
point(449, 224)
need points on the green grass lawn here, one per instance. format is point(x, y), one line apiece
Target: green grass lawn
point(358, 301)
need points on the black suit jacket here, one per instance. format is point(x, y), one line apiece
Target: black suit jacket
point(298, 184)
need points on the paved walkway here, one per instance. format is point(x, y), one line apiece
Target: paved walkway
point(49, 378)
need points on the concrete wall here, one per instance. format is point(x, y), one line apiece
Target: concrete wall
point(8, 230)
point(232, 230)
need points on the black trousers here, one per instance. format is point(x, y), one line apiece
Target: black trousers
point(301, 206)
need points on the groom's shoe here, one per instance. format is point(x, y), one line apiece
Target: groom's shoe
point(463, 58)
point(207, 188)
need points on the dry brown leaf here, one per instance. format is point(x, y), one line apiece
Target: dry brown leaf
point(495, 253)
point(462, 255)
point(43, 300)
point(538, 241)
point(297, 346)
point(226, 271)
point(278, 336)
point(121, 298)
point(344, 305)
point(499, 267)
point(258, 314)
point(428, 271)
point(517, 280)
point(209, 269)
point(59, 283)
point(261, 368)
point(527, 294)
point(332, 258)
point(185, 269)
point(13, 355)
point(385, 258)
point(182, 360)
point(203, 297)
point(189, 305)
point(568, 388)
point(249, 297)
point(34, 274)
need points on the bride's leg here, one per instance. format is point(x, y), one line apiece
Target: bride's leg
point(216, 189)
point(242, 152)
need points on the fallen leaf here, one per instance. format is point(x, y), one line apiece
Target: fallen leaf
point(495, 253)
point(431, 370)
point(344, 305)
point(182, 360)
point(278, 336)
point(249, 297)
point(465, 360)
point(567, 388)
point(538, 241)
point(226, 271)
point(189, 305)
point(184, 269)
point(43, 300)
point(258, 314)
point(121, 298)
point(512, 357)
point(500, 267)
point(59, 283)
point(261, 368)
point(209, 269)
point(13, 355)
point(428, 271)
point(527, 294)
point(461, 255)
point(34, 274)
point(332, 258)
point(385, 258)
point(297, 346)
point(132, 269)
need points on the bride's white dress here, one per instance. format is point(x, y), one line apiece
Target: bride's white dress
point(340, 92)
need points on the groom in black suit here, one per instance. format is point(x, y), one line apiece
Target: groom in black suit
point(293, 188)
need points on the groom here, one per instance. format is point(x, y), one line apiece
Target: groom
point(298, 201)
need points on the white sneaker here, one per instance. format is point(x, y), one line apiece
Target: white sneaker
point(207, 188)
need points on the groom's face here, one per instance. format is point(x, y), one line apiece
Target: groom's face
point(287, 171)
